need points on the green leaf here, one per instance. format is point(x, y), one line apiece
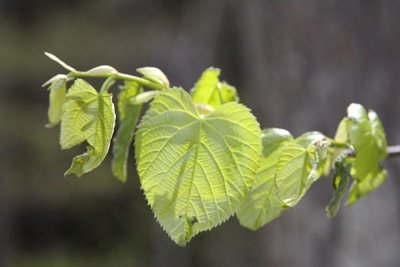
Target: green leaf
point(341, 180)
point(87, 116)
point(128, 117)
point(155, 75)
point(342, 134)
point(195, 169)
point(261, 205)
point(366, 134)
point(209, 90)
point(291, 173)
point(58, 90)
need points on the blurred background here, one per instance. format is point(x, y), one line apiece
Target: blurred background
point(296, 64)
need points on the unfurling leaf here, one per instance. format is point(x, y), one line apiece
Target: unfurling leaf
point(195, 169)
point(57, 89)
point(87, 116)
point(128, 118)
point(341, 180)
point(155, 75)
point(366, 134)
point(209, 90)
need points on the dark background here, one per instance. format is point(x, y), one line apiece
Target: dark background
point(297, 64)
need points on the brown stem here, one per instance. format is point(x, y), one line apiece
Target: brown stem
point(393, 151)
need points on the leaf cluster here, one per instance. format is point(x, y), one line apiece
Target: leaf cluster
point(202, 156)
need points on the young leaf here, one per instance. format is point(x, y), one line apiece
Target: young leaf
point(128, 118)
point(57, 89)
point(366, 134)
point(209, 90)
point(195, 169)
point(87, 116)
point(341, 180)
point(261, 205)
point(155, 75)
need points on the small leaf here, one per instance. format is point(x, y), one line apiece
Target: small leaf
point(59, 61)
point(366, 134)
point(341, 181)
point(128, 117)
point(195, 169)
point(261, 205)
point(102, 71)
point(87, 116)
point(155, 75)
point(55, 78)
point(342, 134)
point(209, 90)
point(57, 98)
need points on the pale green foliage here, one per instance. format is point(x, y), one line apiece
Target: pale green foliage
point(195, 169)
point(57, 90)
point(87, 116)
point(201, 157)
point(209, 90)
point(128, 117)
point(365, 133)
point(287, 169)
point(261, 205)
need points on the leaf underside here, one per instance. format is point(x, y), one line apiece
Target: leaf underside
point(195, 169)
point(87, 116)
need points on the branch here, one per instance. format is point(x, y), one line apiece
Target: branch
point(393, 151)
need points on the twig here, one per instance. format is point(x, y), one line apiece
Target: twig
point(393, 151)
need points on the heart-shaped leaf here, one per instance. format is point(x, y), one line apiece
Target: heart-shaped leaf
point(194, 168)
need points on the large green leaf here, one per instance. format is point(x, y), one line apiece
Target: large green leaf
point(128, 117)
point(195, 169)
point(87, 116)
point(261, 205)
point(366, 134)
point(209, 90)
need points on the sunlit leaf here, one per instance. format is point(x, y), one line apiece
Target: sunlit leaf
point(209, 90)
point(57, 98)
point(87, 116)
point(366, 134)
point(195, 169)
point(261, 205)
point(128, 118)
